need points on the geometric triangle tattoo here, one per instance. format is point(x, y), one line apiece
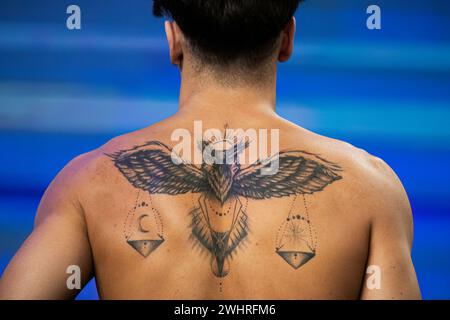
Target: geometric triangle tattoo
point(296, 258)
point(145, 247)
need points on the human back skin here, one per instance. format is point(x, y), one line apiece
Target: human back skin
point(149, 227)
point(181, 268)
point(363, 218)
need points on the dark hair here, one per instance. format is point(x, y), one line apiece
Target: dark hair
point(224, 31)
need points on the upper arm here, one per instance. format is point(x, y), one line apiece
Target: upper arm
point(390, 239)
point(58, 240)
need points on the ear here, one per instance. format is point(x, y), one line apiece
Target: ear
point(173, 34)
point(287, 43)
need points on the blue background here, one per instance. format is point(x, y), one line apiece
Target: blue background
point(65, 92)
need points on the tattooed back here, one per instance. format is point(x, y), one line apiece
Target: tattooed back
point(159, 228)
point(149, 223)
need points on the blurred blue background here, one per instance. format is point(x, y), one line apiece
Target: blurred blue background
point(66, 92)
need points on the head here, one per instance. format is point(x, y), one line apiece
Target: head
point(221, 164)
point(234, 41)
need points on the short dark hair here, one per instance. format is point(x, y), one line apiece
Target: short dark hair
point(225, 31)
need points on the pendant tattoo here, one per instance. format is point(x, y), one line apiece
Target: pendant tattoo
point(296, 240)
point(143, 228)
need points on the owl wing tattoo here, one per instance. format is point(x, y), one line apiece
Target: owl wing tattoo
point(299, 172)
point(151, 167)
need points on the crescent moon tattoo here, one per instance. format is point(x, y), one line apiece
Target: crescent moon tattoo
point(141, 228)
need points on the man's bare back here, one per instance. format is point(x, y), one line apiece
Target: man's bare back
point(150, 226)
point(165, 242)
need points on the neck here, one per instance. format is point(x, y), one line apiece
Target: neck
point(206, 94)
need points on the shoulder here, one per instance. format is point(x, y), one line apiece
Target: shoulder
point(373, 176)
point(64, 192)
point(365, 172)
point(92, 172)
point(364, 176)
point(361, 169)
point(368, 182)
point(85, 175)
point(371, 185)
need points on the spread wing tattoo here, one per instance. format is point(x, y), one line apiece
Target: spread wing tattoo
point(150, 167)
point(299, 172)
point(154, 168)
